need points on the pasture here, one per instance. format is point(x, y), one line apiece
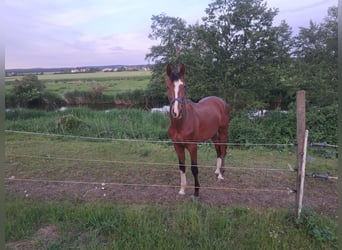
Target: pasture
point(94, 193)
point(112, 82)
point(109, 180)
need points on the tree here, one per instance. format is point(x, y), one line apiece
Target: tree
point(237, 53)
point(171, 33)
point(240, 41)
point(28, 90)
point(316, 54)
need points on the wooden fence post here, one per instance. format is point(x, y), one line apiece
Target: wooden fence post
point(300, 106)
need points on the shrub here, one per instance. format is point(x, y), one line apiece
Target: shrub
point(272, 127)
point(70, 123)
point(28, 90)
point(322, 123)
point(280, 127)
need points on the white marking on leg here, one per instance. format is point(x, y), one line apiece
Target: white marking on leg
point(218, 168)
point(183, 183)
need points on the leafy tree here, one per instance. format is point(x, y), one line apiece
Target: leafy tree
point(28, 90)
point(237, 53)
point(171, 33)
point(240, 42)
point(316, 53)
point(225, 53)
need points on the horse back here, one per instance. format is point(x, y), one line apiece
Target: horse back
point(213, 107)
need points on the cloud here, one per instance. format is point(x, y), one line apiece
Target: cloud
point(91, 32)
point(307, 6)
point(39, 34)
point(83, 14)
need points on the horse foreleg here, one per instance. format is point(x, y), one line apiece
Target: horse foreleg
point(183, 179)
point(194, 168)
point(181, 158)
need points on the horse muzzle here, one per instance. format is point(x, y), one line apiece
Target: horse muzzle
point(176, 114)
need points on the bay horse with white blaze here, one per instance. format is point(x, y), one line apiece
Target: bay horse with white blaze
point(191, 123)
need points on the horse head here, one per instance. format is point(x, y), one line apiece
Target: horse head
point(176, 90)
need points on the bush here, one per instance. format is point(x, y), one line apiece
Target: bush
point(322, 123)
point(70, 123)
point(28, 90)
point(280, 127)
point(274, 127)
point(52, 101)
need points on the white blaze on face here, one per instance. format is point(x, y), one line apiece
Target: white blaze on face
point(176, 103)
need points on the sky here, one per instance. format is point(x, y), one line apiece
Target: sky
point(64, 33)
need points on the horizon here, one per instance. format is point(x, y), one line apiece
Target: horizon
point(86, 66)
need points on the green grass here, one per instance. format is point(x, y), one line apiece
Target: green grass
point(185, 226)
point(86, 76)
point(112, 86)
point(114, 82)
point(140, 124)
point(116, 123)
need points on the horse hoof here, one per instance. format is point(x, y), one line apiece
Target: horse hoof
point(181, 192)
point(220, 177)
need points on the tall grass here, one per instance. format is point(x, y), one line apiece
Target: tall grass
point(186, 226)
point(115, 123)
point(276, 127)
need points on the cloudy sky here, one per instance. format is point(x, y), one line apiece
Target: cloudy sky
point(65, 33)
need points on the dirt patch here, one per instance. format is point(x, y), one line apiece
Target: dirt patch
point(251, 188)
point(42, 238)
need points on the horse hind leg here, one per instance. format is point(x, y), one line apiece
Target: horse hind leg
point(218, 171)
point(194, 170)
point(219, 159)
point(222, 148)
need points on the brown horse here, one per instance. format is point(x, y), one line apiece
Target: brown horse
point(191, 123)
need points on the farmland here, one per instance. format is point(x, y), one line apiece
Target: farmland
point(114, 82)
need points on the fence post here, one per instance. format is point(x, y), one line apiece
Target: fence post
point(300, 106)
point(302, 179)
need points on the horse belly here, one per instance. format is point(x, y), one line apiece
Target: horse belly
point(208, 127)
point(183, 135)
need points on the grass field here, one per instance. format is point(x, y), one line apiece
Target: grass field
point(64, 225)
point(76, 211)
point(114, 82)
point(86, 76)
point(47, 223)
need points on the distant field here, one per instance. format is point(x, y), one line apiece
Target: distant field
point(114, 82)
point(86, 76)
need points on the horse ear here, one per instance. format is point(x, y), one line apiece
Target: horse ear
point(182, 70)
point(168, 70)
